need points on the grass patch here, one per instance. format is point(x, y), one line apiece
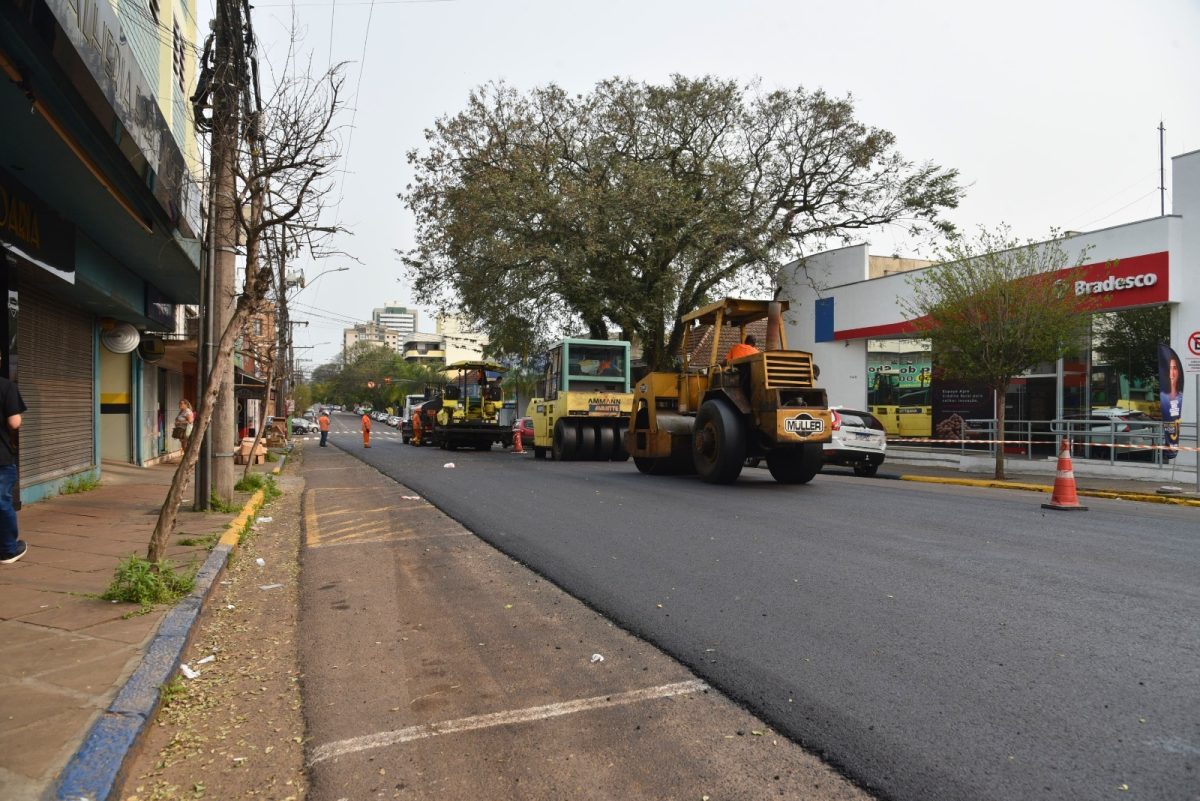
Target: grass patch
point(79, 484)
point(259, 481)
point(208, 540)
point(172, 691)
point(215, 504)
point(272, 456)
point(140, 582)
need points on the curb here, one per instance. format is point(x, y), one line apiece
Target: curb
point(96, 767)
point(1144, 497)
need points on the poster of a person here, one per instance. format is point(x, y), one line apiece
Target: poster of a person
point(1170, 397)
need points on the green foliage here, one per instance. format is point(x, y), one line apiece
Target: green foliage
point(996, 306)
point(81, 483)
point(172, 691)
point(215, 504)
point(1129, 340)
point(547, 213)
point(208, 540)
point(346, 382)
point(145, 583)
point(253, 482)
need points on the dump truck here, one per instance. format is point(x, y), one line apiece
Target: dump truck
point(585, 410)
point(716, 412)
point(470, 406)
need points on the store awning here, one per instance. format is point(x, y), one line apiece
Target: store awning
point(248, 387)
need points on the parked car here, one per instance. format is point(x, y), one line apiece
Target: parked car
point(393, 420)
point(301, 425)
point(525, 426)
point(859, 441)
point(1106, 426)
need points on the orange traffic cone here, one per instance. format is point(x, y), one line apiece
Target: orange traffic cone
point(517, 442)
point(1064, 498)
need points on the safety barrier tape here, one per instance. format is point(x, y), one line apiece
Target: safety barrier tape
point(1078, 443)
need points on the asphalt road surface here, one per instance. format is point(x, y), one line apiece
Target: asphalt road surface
point(930, 641)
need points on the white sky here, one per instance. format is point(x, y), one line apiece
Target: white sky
point(1048, 109)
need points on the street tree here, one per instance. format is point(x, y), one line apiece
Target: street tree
point(995, 306)
point(284, 163)
point(1129, 340)
point(545, 213)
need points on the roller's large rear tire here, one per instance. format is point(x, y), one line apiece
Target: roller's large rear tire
point(566, 441)
point(718, 443)
point(795, 465)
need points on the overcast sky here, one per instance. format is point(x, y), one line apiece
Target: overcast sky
point(1048, 109)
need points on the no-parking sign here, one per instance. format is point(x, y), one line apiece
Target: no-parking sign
point(1193, 346)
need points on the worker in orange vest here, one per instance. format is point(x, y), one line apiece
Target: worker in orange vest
point(366, 429)
point(747, 348)
point(323, 424)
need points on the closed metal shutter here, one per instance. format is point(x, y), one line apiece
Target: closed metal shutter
point(56, 379)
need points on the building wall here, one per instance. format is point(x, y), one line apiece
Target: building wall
point(837, 283)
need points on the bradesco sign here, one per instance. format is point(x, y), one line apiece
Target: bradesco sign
point(1135, 281)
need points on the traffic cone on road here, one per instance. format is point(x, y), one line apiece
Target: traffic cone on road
point(517, 442)
point(1063, 497)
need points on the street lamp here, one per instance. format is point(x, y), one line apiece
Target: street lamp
point(296, 278)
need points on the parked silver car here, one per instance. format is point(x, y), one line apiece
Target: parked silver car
point(859, 441)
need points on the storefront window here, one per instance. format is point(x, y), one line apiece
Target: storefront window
point(1125, 358)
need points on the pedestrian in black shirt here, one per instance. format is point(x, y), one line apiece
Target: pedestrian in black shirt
point(11, 407)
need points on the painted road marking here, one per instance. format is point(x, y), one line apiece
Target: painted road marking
point(400, 540)
point(329, 525)
point(427, 730)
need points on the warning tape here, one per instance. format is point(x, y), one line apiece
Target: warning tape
point(1078, 443)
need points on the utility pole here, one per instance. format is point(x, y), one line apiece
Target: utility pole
point(227, 90)
point(1162, 175)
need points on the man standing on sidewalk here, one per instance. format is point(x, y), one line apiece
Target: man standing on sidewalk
point(366, 429)
point(11, 406)
point(323, 424)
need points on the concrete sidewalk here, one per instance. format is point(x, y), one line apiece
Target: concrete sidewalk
point(64, 653)
point(1094, 478)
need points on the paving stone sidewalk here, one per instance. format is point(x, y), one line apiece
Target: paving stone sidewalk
point(64, 653)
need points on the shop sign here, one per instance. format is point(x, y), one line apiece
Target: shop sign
point(1119, 284)
point(32, 230)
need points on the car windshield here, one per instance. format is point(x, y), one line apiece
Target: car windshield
point(859, 419)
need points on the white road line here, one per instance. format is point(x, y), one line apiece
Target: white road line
point(426, 730)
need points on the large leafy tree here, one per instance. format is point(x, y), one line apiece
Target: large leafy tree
point(995, 306)
point(625, 207)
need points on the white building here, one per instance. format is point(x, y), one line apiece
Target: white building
point(372, 334)
point(838, 308)
point(461, 343)
point(396, 317)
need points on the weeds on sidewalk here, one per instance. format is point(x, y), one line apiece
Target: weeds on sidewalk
point(215, 504)
point(257, 481)
point(79, 484)
point(207, 541)
point(140, 582)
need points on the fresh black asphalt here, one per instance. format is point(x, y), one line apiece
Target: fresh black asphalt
point(932, 642)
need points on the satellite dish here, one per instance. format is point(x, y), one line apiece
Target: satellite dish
point(121, 338)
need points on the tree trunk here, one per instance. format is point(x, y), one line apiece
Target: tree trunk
point(222, 368)
point(998, 399)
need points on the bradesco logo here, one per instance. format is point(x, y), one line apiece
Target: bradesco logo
point(804, 425)
point(1115, 283)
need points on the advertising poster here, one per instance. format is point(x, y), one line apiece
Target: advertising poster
point(1170, 397)
point(956, 402)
